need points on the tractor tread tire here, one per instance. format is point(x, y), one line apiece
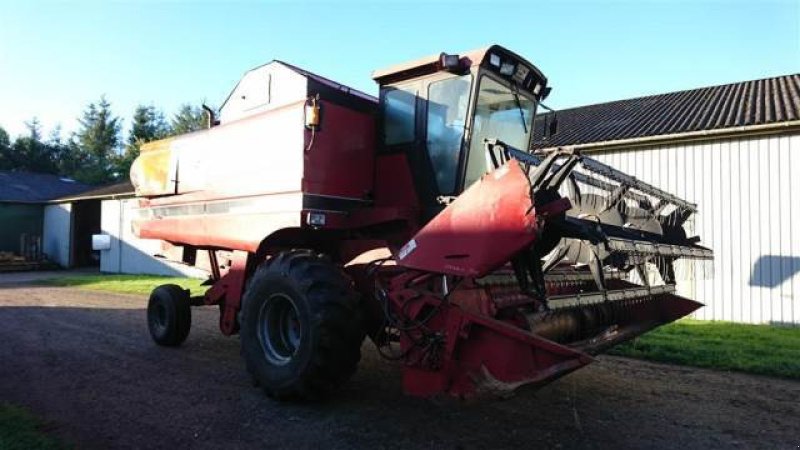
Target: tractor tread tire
point(177, 306)
point(330, 348)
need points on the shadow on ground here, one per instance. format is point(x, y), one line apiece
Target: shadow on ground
point(83, 360)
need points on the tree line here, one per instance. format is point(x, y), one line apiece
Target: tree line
point(96, 153)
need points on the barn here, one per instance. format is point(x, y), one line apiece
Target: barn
point(23, 199)
point(734, 150)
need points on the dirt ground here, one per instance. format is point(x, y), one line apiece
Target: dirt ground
point(84, 362)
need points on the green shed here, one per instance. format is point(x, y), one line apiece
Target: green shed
point(23, 196)
point(16, 220)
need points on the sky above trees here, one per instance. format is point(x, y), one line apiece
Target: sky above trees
point(84, 83)
point(56, 57)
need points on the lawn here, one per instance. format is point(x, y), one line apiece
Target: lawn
point(19, 430)
point(127, 284)
point(759, 349)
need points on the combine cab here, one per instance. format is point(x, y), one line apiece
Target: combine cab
point(419, 220)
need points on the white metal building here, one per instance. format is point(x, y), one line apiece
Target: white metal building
point(735, 151)
point(66, 223)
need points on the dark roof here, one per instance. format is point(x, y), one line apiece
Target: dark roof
point(758, 102)
point(122, 189)
point(31, 187)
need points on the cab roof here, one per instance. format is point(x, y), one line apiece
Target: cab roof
point(430, 64)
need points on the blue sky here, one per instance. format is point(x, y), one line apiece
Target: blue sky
point(57, 57)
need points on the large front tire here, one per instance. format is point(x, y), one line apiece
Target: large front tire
point(301, 329)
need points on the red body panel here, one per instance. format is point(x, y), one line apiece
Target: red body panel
point(270, 191)
point(242, 223)
point(340, 160)
point(491, 221)
point(227, 231)
point(394, 183)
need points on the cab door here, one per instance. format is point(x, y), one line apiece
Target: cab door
point(426, 120)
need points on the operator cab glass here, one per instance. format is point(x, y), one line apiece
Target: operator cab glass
point(448, 106)
point(439, 111)
point(399, 110)
point(500, 113)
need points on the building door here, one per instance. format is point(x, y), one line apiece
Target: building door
point(85, 223)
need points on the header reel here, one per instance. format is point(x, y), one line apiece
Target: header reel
point(616, 223)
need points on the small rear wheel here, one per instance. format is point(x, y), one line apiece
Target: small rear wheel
point(169, 316)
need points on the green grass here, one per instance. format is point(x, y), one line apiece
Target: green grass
point(127, 284)
point(19, 430)
point(759, 349)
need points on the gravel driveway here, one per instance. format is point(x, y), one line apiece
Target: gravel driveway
point(84, 362)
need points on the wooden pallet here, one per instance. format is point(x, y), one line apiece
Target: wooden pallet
point(10, 257)
point(19, 267)
point(9, 262)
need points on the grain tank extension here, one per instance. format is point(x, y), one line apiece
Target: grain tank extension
point(419, 220)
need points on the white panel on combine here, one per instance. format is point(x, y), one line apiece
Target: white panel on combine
point(263, 142)
point(261, 127)
point(267, 87)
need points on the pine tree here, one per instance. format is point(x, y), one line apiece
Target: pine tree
point(5, 150)
point(148, 125)
point(64, 153)
point(189, 118)
point(30, 153)
point(98, 142)
point(34, 129)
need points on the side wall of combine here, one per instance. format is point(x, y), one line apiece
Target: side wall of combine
point(748, 192)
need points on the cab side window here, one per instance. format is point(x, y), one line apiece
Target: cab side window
point(399, 115)
point(447, 113)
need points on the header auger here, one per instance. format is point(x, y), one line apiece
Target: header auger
point(419, 220)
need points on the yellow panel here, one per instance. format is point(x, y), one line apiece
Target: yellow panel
point(150, 172)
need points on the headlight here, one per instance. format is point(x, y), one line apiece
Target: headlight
point(507, 68)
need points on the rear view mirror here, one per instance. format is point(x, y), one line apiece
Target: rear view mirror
point(550, 123)
point(553, 127)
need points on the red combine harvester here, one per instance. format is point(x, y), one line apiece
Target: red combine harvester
point(419, 220)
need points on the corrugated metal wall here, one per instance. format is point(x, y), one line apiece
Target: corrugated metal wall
point(748, 192)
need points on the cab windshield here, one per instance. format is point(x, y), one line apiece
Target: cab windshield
point(501, 112)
